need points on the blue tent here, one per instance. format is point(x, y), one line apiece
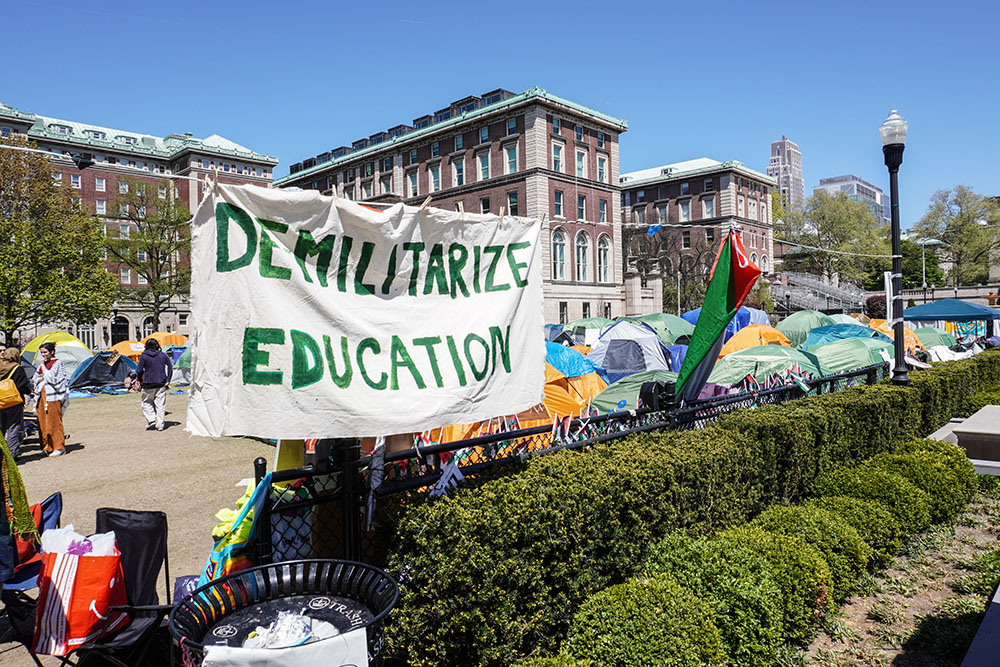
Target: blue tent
point(832, 332)
point(626, 348)
point(744, 317)
point(950, 310)
point(676, 358)
point(569, 362)
point(94, 374)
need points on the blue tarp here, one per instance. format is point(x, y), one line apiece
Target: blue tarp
point(569, 362)
point(676, 358)
point(832, 332)
point(744, 317)
point(95, 373)
point(950, 310)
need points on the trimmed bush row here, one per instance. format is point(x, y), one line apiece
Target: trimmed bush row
point(496, 572)
point(771, 581)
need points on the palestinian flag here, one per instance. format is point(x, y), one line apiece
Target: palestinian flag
point(733, 274)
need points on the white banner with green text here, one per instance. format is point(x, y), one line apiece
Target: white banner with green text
point(321, 317)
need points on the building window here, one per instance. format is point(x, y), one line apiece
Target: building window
point(558, 256)
point(386, 164)
point(763, 263)
point(600, 140)
point(581, 207)
point(413, 156)
point(563, 312)
point(414, 191)
point(607, 309)
point(484, 205)
point(604, 260)
point(125, 276)
point(511, 159)
point(459, 143)
point(512, 203)
point(122, 187)
point(182, 319)
point(102, 206)
point(753, 258)
point(685, 208)
point(582, 257)
point(366, 190)
point(511, 126)
point(123, 209)
point(709, 184)
point(710, 236)
point(602, 169)
point(162, 192)
point(350, 176)
point(586, 309)
point(435, 149)
point(640, 196)
point(385, 184)
point(708, 207)
point(685, 189)
point(435, 173)
point(57, 177)
point(753, 209)
point(458, 167)
point(99, 184)
point(685, 240)
point(558, 205)
point(368, 169)
point(484, 135)
point(579, 133)
point(140, 255)
point(557, 151)
point(639, 213)
point(661, 214)
point(742, 207)
point(140, 279)
point(581, 164)
point(74, 181)
point(603, 206)
point(556, 126)
point(484, 166)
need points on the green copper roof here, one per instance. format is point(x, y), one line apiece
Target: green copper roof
point(531, 93)
point(104, 138)
point(687, 169)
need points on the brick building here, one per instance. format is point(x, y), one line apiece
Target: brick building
point(141, 157)
point(694, 202)
point(531, 154)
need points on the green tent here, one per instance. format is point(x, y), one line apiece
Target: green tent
point(184, 361)
point(627, 389)
point(840, 318)
point(797, 326)
point(763, 360)
point(668, 327)
point(931, 336)
point(847, 354)
point(587, 330)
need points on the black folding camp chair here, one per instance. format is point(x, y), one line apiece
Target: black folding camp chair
point(142, 541)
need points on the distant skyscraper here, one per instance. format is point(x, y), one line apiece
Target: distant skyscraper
point(857, 189)
point(785, 167)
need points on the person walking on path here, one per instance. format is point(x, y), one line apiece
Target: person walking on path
point(52, 389)
point(12, 418)
point(154, 372)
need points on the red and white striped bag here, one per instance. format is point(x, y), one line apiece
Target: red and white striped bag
point(74, 601)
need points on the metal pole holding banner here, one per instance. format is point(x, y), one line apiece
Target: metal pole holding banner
point(344, 453)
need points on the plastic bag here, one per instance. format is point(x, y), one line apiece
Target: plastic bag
point(67, 541)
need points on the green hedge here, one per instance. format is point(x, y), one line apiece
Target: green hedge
point(495, 573)
point(561, 660)
point(908, 504)
point(652, 621)
point(736, 582)
point(926, 471)
point(838, 542)
point(874, 522)
point(951, 455)
point(977, 402)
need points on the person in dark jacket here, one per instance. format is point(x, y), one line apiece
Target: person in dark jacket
point(154, 371)
point(12, 418)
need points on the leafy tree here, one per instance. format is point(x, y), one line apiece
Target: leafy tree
point(51, 268)
point(918, 262)
point(831, 225)
point(158, 250)
point(969, 225)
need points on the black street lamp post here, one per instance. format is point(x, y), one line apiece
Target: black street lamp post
point(893, 131)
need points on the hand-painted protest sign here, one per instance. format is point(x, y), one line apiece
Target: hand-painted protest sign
point(314, 316)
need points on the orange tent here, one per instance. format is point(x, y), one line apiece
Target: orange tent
point(582, 349)
point(166, 338)
point(129, 348)
point(910, 340)
point(752, 336)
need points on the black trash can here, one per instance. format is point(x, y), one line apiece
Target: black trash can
point(347, 594)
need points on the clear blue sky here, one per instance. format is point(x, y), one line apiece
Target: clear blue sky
point(719, 80)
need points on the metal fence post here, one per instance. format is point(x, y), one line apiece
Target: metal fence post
point(262, 524)
point(346, 452)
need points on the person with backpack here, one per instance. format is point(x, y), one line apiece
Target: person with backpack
point(52, 390)
point(12, 403)
point(154, 372)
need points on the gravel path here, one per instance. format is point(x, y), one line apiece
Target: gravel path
point(113, 461)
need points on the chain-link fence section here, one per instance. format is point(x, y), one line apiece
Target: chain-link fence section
point(311, 515)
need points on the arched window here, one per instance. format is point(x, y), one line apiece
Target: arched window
point(763, 263)
point(558, 256)
point(604, 259)
point(147, 326)
point(753, 258)
point(668, 266)
point(582, 257)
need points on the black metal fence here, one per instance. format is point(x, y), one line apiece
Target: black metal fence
point(346, 505)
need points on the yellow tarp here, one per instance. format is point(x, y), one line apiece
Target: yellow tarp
point(753, 336)
point(910, 340)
